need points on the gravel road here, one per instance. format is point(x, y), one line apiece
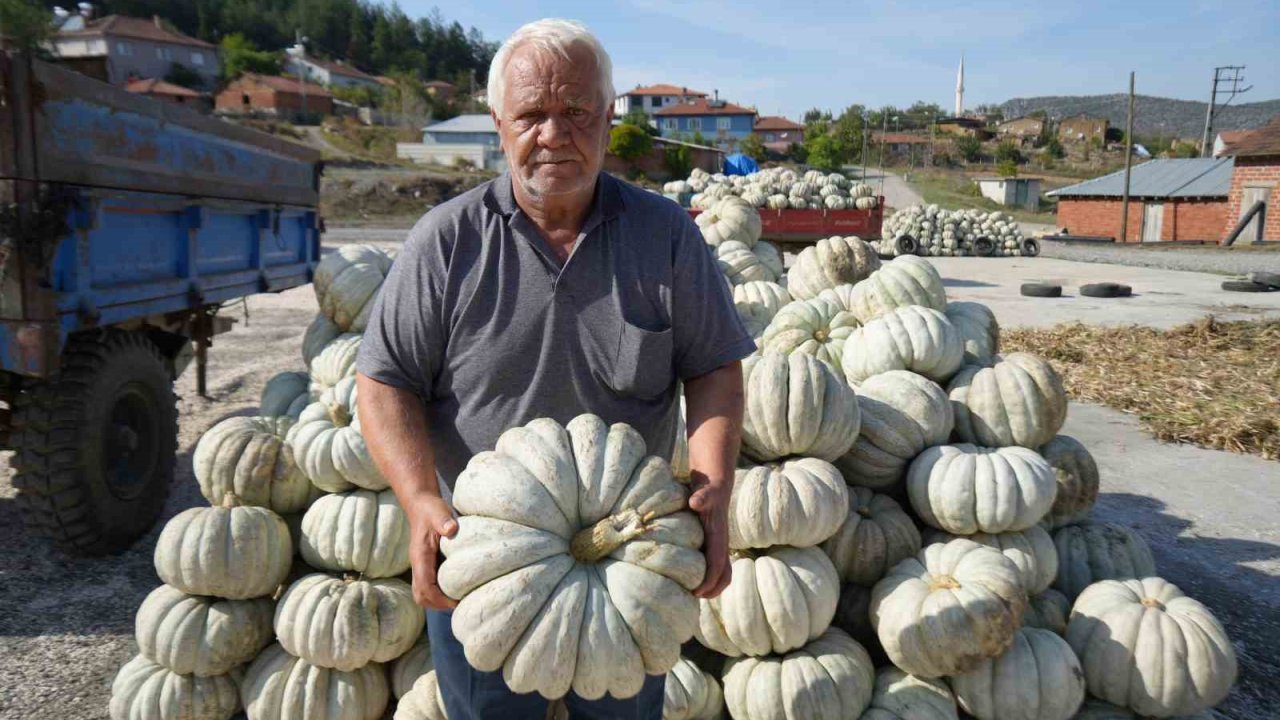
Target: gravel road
point(66, 624)
point(1226, 261)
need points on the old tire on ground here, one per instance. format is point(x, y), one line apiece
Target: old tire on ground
point(1030, 247)
point(906, 245)
point(1106, 290)
point(984, 247)
point(1246, 286)
point(94, 447)
point(1265, 278)
point(1043, 290)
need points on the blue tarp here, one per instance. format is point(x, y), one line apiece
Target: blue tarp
point(739, 164)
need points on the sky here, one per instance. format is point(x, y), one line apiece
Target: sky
point(786, 57)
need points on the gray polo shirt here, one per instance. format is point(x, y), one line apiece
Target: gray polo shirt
point(480, 320)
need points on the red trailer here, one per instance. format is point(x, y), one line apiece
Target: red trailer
point(795, 229)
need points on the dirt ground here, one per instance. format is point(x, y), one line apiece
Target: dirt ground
point(66, 624)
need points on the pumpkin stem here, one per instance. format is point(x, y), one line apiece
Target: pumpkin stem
point(339, 415)
point(943, 582)
point(230, 500)
point(590, 544)
point(1152, 603)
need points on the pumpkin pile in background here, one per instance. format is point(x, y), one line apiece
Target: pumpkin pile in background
point(947, 233)
point(910, 536)
point(775, 189)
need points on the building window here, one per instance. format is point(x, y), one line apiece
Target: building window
point(197, 59)
point(768, 137)
point(122, 48)
point(163, 53)
point(722, 123)
point(695, 123)
point(655, 101)
point(671, 123)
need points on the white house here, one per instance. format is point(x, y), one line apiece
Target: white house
point(472, 138)
point(120, 49)
point(328, 73)
point(1012, 191)
point(652, 98)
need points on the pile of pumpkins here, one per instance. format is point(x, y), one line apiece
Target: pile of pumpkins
point(911, 535)
point(773, 188)
point(939, 232)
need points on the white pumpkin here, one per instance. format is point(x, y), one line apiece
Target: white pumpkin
point(203, 636)
point(1037, 678)
point(758, 302)
point(230, 551)
point(731, 218)
point(1031, 550)
point(406, 669)
point(359, 531)
point(423, 701)
point(319, 333)
point(1017, 401)
point(902, 414)
point(1048, 610)
point(831, 677)
point(146, 690)
point(574, 560)
point(1145, 645)
point(913, 338)
point(814, 327)
point(770, 257)
point(690, 693)
point(979, 329)
point(248, 456)
point(335, 361)
point(347, 281)
point(347, 623)
point(286, 394)
point(739, 265)
point(965, 489)
point(1090, 552)
point(799, 502)
point(1078, 480)
point(876, 535)
point(279, 686)
point(830, 262)
point(942, 612)
point(906, 280)
point(777, 601)
point(328, 445)
point(899, 696)
point(796, 405)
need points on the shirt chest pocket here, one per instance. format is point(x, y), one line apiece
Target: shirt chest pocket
point(642, 364)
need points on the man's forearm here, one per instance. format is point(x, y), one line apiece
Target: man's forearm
point(394, 426)
point(713, 409)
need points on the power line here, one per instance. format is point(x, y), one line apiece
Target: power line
point(1226, 81)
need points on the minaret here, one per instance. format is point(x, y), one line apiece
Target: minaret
point(960, 87)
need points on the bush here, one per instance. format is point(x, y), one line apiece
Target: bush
point(970, 148)
point(180, 74)
point(677, 161)
point(1007, 152)
point(1053, 148)
point(752, 146)
point(629, 142)
point(1007, 168)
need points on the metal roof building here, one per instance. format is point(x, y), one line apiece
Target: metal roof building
point(1159, 179)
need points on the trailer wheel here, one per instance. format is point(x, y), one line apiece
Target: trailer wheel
point(94, 446)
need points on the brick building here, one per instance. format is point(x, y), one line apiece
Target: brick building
point(1022, 128)
point(1169, 199)
point(1082, 128)
point(778, 133)
point(274, 96)
point(1256, 178)
point(168, 92)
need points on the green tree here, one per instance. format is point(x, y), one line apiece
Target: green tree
point(240, 56)
point(1053, 148)
point(1007, 168)
point(824, 152)
point(797, 153)
point(629, 142)
point(639, 119)
point(1008, 152)
point(752, 146)
point(848, 129)
point(25, 23)
point(180, 74)
point(358, 41)
point(677, 160)
point(970, 148)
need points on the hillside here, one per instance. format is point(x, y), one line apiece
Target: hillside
point(1151, 115)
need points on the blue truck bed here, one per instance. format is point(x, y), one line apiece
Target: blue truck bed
point(117, 209)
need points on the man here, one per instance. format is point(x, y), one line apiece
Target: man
point(553, 291)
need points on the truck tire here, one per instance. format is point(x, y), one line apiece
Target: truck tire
point(1030, 247)
point(984, 246)
point(905, 245)
point(94, 446)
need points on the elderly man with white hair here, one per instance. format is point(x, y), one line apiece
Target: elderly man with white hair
point(551, 291)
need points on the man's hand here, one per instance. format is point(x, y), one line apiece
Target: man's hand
point(429, 522)
point(711, 502)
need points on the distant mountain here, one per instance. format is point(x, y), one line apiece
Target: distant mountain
point(1151, 115)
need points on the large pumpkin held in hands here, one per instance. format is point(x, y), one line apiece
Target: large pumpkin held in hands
point(573, 561)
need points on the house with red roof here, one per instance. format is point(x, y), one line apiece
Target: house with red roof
point(649, 99)
point(720, 122)
point(778, 133)
point(167, 92)
point(1256, 180)
point(329, 73)
point(118, 49)
point(273, 96)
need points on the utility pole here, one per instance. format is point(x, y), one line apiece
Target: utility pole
point(862, 158)
point(1128, 166)
point(885, 115)
point(1227, 75)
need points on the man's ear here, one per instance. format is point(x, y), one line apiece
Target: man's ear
point(497, 124)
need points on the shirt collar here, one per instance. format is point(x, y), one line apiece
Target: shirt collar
point(606, 205)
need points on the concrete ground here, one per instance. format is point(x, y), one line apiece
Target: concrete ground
point(897, 192)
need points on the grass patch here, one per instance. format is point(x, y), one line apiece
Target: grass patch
point(369, 142)
point(1210, 383)
point(955, 191)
